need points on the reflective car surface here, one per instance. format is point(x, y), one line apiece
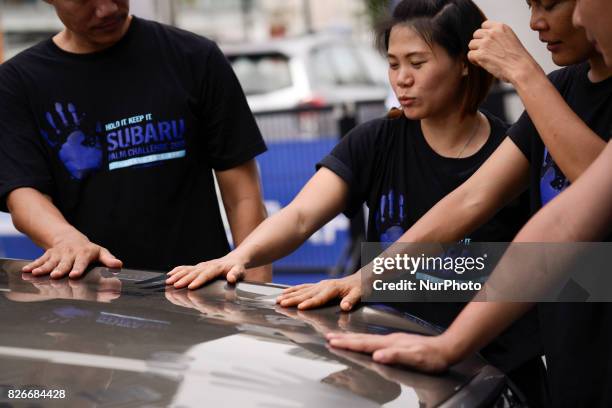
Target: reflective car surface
point(123, 339)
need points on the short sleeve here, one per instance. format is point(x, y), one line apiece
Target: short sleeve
point(352, 160)
point(23, 162)
point(232, 135)
point(523, 133)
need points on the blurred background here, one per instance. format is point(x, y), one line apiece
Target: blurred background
point(310, 73)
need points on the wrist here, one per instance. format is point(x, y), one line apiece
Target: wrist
point(67, 235)
point(239, 256)
point(525, 74)
point(452, 349)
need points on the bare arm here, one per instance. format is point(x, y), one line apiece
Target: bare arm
point(583, 212)
point(500, 179)
point(241, 193)
point(68, 250)
point(572, 144)
point(321, 199)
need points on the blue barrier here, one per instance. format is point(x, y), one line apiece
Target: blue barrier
point(285, 169)
point(18, 247)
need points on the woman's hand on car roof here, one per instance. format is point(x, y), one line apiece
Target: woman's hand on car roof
point(194, 276)
point(311, 295)
point(431, 354)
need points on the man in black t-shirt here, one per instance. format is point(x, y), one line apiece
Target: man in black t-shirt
point(109, 134)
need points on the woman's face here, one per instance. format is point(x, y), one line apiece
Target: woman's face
point(595, 16)
point(552, 19)
point(426, 80)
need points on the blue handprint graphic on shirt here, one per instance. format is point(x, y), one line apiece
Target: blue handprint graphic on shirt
point(77, 146)
point(390, 217)
point(552, 181)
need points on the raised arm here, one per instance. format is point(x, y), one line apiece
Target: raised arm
point(571, 143)
point(68, 251)
point(582, 213)
point(321, 199)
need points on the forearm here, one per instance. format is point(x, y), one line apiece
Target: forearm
point(571, 143)
point(321, 199)
point(478, 324)
point(583, 212)
point(274, 238)
point(450, 220)
point(243, 218)
point(496, 183)
point(35, 215)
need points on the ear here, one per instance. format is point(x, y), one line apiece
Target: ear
point(464, 68)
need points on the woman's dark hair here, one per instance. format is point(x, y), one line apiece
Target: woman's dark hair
point(450, 24)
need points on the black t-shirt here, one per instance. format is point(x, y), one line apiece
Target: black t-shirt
point(388, 164)
point(577, 337)
point(125, 140)
point(592, 102)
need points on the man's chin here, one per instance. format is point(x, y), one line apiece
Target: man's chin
point(109, 37)
point(103, 41)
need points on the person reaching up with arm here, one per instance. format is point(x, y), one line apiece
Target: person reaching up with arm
point(565, 117)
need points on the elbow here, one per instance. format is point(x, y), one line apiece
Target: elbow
point(302, 227)
point(17, 224)
point(19, 221)
point(473, 209)
point(13, 210)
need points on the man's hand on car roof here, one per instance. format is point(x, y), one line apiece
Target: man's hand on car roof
point(70, 255)
point(431, 354)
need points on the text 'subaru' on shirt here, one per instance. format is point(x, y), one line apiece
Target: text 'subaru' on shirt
point(125, 140)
